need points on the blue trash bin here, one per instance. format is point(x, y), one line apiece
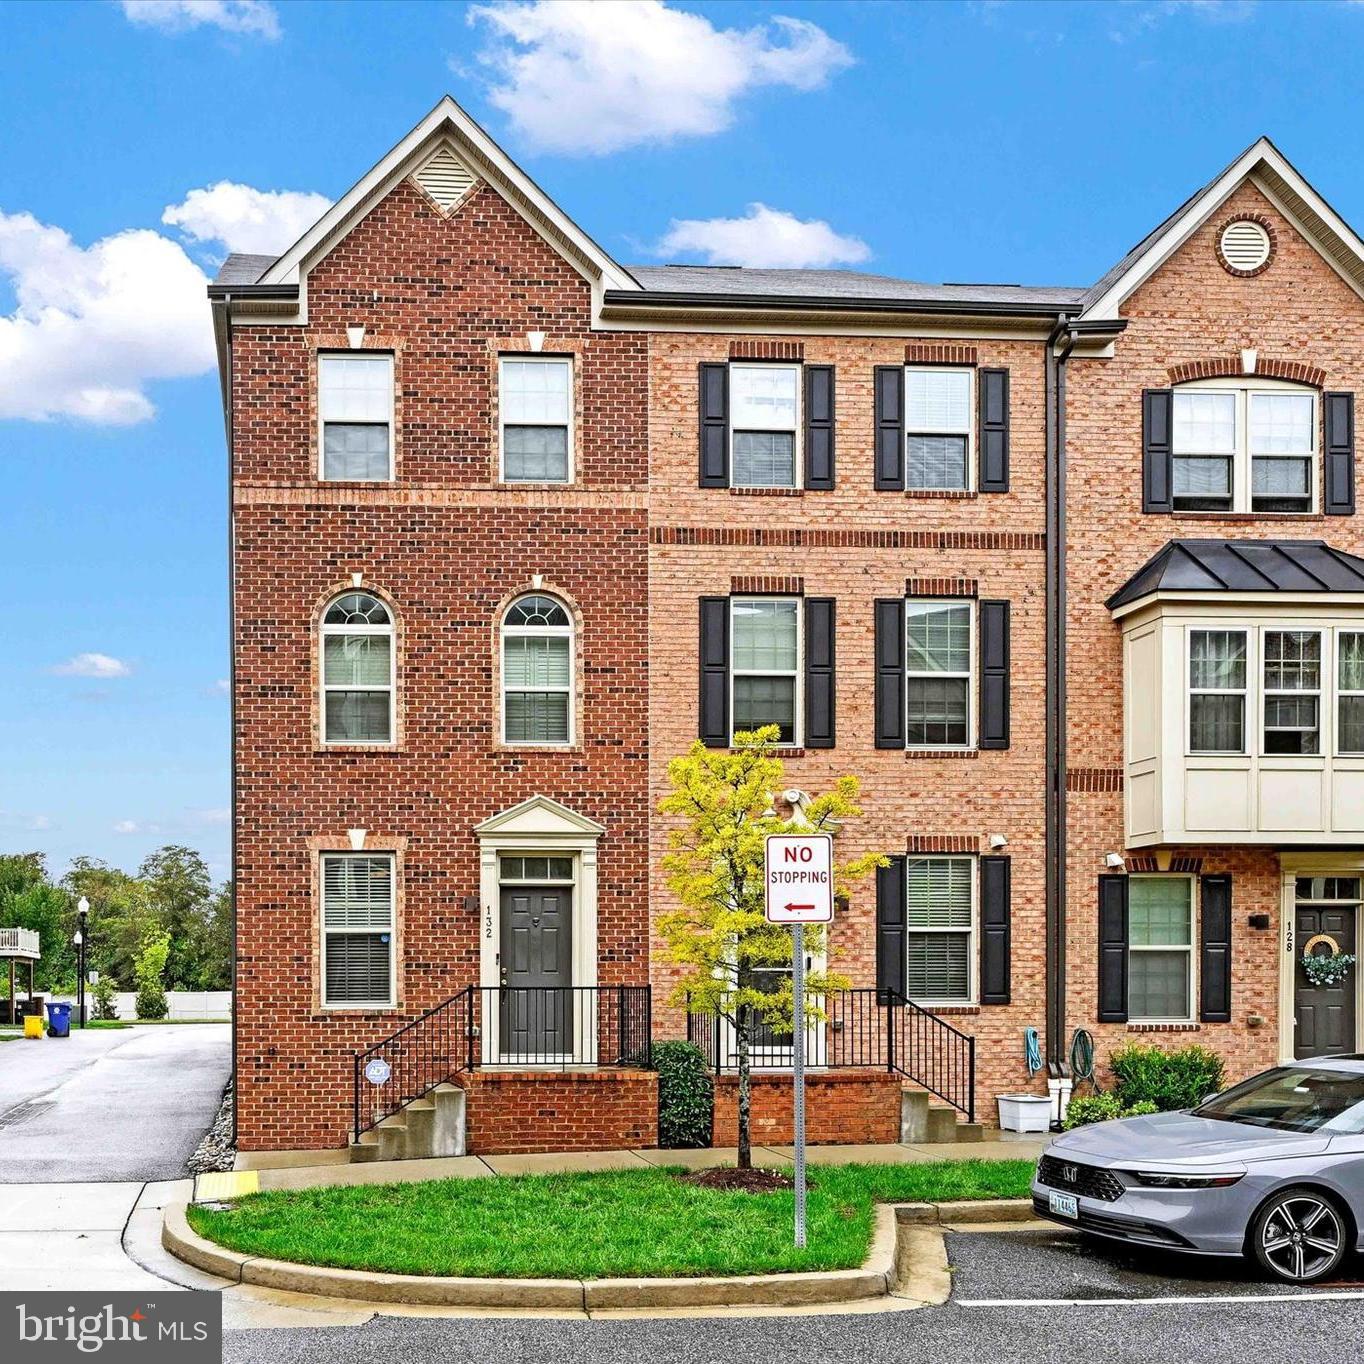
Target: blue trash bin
point(59, 1020)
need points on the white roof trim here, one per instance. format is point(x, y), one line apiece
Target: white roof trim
point(540, 815)
point(487, 160)
point(1271, 172)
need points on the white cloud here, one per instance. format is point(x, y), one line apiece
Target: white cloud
point(214, 815)
point(254, 17)
point(93, 325)
point(127, 826)
point(762, 237)
point(93, 665)
point(222, 687)
point(245, 219)
point(585, 78)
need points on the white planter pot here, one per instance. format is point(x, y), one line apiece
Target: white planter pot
point(1024, 1113)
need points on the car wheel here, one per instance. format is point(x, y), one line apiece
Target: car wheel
point(1299, 1236)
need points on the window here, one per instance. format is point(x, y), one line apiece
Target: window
point(536, 869)
point(355, 408)
point(938, 674)
point(1217, 691)
point(357, 929)
point(535, 406)
point(1237, 448)
point(940, 922)
point(1160, 947)
point(357, 671)
point(1350, 691)
point(764, 405)
point(938, 428)
point(765, 664)
point(537, 672)
point(1292, 691)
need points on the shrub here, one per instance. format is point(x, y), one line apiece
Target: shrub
point(1102, 1108)
point(102, 992)
point(686, 1096)
point(151, 1000)
point(148, 966)
point(1167, 1079)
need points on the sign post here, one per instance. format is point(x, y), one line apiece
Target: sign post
point(799, 890)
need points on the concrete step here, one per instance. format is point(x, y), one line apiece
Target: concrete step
point(392, 1139)
point(419, 1117)
point(450, 1137)
point(913, 1116)
point(943, 1125)
point(366, 1148)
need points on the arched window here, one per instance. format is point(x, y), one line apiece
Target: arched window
point(537, 672)
point(357, 671)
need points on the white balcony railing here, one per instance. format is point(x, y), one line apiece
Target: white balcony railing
point(19, 942)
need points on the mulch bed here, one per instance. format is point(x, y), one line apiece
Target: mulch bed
point(742, 1181)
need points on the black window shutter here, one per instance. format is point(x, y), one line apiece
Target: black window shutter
point(890, 673)
point(715, 672)
point(994, 430)
point(1214, 939)
point(1340, 454)
point(994, 674)
point(890, 927)
point(819, 426)
point(994, 930)
point(1112, 949)
point(1157, 461)
point(714, 410)
point(890, 426)
point(820, 686)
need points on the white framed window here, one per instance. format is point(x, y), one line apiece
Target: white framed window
point(535, 412)
point(355, 416)
point(939, 664)
point(1160, 948)
point(939, 428)
point(358, 939)
point(1244, 447)
point(1292, 687)
point(357, 671)
point(765, 662)
point(1350, 691)
point(537, 672)
point(940, 929)
point(534, 869)
point(1217, 691)
point(764, 409)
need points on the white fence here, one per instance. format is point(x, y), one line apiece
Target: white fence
point(183, 1003)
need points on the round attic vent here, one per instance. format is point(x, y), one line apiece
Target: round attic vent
point(1245, 246)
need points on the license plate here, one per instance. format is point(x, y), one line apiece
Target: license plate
point(1064, 1205)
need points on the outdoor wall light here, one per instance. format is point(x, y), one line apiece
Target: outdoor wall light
point(998, 841)
point(1259, 920)
point(1115, 861)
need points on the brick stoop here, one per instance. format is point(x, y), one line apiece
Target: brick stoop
point(842, 1107)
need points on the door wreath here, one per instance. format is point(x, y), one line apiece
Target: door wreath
point(1327, 968)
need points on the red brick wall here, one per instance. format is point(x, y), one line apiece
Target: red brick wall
point(528, 1111)
point(841, 1107)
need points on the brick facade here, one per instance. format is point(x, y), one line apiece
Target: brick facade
point(510, 1112)
point(842, 1107)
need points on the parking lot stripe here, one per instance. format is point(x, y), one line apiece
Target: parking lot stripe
point(1325, 1295)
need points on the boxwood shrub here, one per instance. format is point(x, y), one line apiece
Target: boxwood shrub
point(1167, 1079)
point(686, 1096)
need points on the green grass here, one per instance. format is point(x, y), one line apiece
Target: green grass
point(633, 1222)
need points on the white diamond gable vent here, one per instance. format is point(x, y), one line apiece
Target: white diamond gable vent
point(445, 178)
point(1245, 246)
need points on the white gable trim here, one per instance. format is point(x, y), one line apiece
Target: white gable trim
point(540, 817)
point(1266, 167)
point(483, 157)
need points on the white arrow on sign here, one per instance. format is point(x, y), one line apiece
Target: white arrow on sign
point(799, 879)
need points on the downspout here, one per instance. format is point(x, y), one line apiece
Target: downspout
point(1058, 348)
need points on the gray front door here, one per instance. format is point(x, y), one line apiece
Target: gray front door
point(1325, 1014)
point(536, 1010)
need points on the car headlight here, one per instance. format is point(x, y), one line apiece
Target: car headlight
point(1155, 1179)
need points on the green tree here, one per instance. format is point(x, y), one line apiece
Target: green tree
point(724, 802)
point(149, 969)
point(179, 885)
point(29, 900)
point(103, 991)
point(209, 951)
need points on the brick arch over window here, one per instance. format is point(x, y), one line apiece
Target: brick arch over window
point(1230, 367)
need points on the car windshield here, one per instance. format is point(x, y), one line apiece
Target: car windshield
point(1293, 1099)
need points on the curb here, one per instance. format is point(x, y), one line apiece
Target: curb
point(877, 1278)
point(967, 1210)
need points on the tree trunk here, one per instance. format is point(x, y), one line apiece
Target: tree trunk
point(741, 1018)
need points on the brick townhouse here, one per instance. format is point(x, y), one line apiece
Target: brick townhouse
point(1066, 576)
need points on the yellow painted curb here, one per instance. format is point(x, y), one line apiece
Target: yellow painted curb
point(225, 1185)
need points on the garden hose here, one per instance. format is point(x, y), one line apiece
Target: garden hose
point(1033, 1049)
point(1082, 1059)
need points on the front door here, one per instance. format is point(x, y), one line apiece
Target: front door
point(1324, 1015)
point(535, 1003)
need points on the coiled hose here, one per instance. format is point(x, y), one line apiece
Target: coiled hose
point(1082, 1059)
point(1033, 1050)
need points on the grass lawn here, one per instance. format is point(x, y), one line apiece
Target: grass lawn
point(629, 1222)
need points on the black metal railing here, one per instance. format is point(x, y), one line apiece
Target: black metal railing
point(876, 1029)
point(543, 1027)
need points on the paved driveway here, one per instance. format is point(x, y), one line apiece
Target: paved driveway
point(109, 1104)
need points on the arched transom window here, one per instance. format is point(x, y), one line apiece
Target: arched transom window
point(357, 671)
point(537, 672)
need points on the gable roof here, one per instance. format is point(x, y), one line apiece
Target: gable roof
point(1203, 566)
point(1266, 167)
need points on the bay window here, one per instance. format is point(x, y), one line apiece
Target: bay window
point(1292, 685)
point(1217, 691)
point(1350, 691)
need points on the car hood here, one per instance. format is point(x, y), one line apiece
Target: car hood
point(1182, 1137)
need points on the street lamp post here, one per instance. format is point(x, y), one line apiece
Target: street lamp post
point(83, 909)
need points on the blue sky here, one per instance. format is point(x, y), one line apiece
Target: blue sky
point(982, 141)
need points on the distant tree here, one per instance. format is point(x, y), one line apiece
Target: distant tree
point(103, 992)
point(177, 880)
point(150, 967)
point(47, 910)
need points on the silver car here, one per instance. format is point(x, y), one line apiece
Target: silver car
point(1272, 1169)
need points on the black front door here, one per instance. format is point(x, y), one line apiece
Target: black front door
point(1325, 1014)
point(536, 1011)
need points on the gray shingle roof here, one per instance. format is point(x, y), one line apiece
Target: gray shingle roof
point(242, 268)
point(1243, 566)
